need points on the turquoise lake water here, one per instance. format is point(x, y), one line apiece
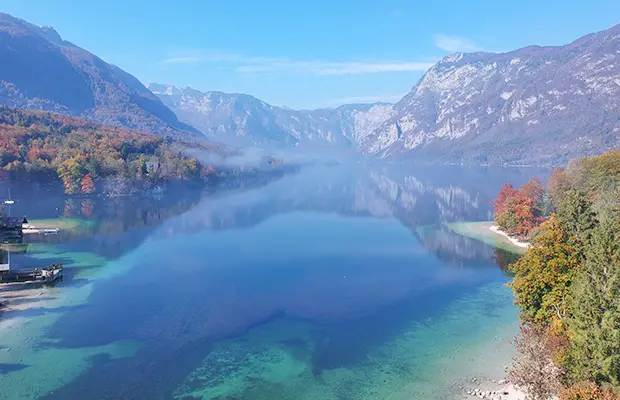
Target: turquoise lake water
point(326, 284)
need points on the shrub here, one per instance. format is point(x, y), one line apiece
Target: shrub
point(533, 369)
point(586, 391)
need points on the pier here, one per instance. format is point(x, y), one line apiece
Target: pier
point(47, 274)
point(12, 231)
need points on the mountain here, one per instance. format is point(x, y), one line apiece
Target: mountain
point(532, 105)
point(246, 120)
point(40, 70)
point(535, 105)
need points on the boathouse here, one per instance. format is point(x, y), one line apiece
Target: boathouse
point(12, 225)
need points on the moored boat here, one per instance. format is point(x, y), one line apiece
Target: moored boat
point(47, 274)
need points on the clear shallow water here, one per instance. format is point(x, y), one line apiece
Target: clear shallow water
point(329, 284)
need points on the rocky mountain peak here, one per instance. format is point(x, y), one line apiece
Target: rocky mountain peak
point(535, 104)
point(528, 106)
point(158, 88)
point(19, 26)
point(50, 34)
point(243, 119)
point(40, 70)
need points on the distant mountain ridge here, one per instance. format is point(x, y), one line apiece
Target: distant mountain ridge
point(246, 120)
point(535, 105)
point(39, 70)
point(532, 105)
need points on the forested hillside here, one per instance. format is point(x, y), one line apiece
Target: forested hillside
point(80, 152)
point(567, 284)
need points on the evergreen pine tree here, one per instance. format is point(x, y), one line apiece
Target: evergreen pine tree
point(595, 326)
point(576, 216)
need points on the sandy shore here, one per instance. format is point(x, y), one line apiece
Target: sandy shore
point(486, 388)
point(495, 390)
point(487, 232)
point(514, 241)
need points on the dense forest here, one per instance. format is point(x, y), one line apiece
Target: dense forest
point(567, 284)
point(81, 152)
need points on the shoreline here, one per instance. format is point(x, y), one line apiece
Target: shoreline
point(492, 390)
point(484, 387)
point(486, 354)
point(516, 242)
point(488, 233)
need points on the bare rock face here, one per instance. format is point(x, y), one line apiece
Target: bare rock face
point(532, 105)
point(535, 105)
point(246, 120)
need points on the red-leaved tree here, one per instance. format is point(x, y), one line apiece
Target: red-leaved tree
point(519, 211)
point(88, 186)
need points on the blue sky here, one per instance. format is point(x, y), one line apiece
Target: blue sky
point(306, 54)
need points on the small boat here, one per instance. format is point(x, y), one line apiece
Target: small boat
point(9, 201)
point(47, 274)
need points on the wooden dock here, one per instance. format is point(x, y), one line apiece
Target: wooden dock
point(47, 274)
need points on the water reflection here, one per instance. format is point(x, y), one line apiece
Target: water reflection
point(424, 201)
point(355, 257)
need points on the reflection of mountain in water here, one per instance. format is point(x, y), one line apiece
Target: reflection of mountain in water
point(422, 200)
point(205, 275)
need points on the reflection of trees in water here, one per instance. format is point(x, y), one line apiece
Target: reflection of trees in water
point(88, 208)
point(113, 225)
point(504, 258)
point(427, 199)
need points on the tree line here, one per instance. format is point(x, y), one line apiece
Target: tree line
point(567, 284)
point(81, 152)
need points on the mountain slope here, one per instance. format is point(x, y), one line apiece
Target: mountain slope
point(533, 105)
point(530, 106)
point(39, 70)
point(243, 119)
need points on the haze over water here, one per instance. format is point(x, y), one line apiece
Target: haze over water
point(327, 284)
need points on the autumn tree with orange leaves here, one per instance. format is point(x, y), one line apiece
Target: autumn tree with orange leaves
point(518, 211)
point(567, 284)
point(80, 152)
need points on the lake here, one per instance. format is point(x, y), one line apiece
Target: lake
point(330, 283)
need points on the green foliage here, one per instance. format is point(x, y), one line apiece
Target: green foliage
point(570, 276)
point(576, 217)
point(595, 175)
point(544, 274)
point(79, 151)
point(595, 324)
point(71, 172)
